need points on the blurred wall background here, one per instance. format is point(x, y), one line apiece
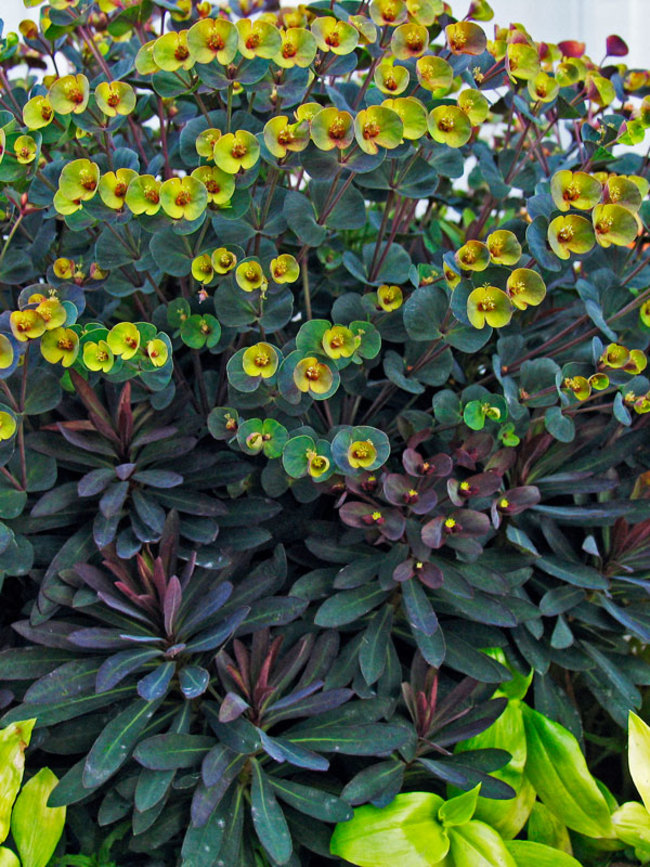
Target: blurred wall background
point(589, 21)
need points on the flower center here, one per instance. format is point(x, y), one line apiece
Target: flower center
point(87, 180)
point(285, 136)
point(215, 42)
point(337, 129)
point(181, 53)
point(239, 150)
point(120, 190)
point(312, 373)
point(113, 99)
point(604, 225)
point(74, 94)
point(212, 187)
point(565, 234)
point(289, 50)
point(151, 195)
point(446, 123)
point(571, 193)
point(486, 305)
point(371, 129)
point(261, 359)
point(65, 343)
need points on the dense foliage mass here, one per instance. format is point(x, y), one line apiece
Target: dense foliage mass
point(322, 374)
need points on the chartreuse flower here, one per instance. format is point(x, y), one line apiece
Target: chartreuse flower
point(285, 269)
point(258, 39)
point(615, 356)
point(452, 277)
point(311, 375)
point(6, 352)
point(63, 268)
point(281, 137)
point(465, 37)
point(490, 305)
point(362, 454)
point(183, 198)
point(98, 356)
point(578, 386)
point(78, 180)
point(522, 61)
point(331, 128)
point(367, 29)
point(235, 151)
point(113, 187)
point(623, 191)
point(412, 113)
point(25, 149)
point(219, 184)
point(644, 111)
point(157, 352)
point(388, 13)
point(250, 276)
point(636, 363)
point(26, 325)
point(543, 87)
point(425, 11)
point(473, 256)
point(614, 224)
point(213, 38)
point(476, 413)
point(449, 125)
point(70, 94)
point(124, 340)
point(377, 127)
point(339, 342)
point(570, 71)
point(261, 359)
point(52, 312)
point(570, 234)
point(199, 330)
point(599, 381)
point(7, 425)
point(115, 97)
point(409, 40)
point(38, 112)
point(391, 79)
point(171, 51)
point(333, 35)
point(575, 190)
point(205, 142)
point(474, 104)
point(302, 456)
point(600, 90)
point(434, 74)
point(389, 297)
point(60, 345)
point(202, 269)
point(144, 60)
point(3, 142)
point(504, 247)
point(298, 48)
point(268, 436)
point(143, 195)
point(525, 288)
point(223, 260)
point(307, 111)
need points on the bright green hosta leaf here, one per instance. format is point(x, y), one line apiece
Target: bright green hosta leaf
point(545, 827)
point(639, 756)
point(7, 858)
point(459, 810)
point(477, 845)
point(632, 824)
point(36, 828)
point(405, 832)
point(14, 740)
point(558, 771)
point(527, 854)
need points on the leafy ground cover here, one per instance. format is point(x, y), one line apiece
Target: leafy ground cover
point(324, 418)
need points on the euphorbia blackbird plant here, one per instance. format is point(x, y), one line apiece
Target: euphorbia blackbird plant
point(322, 370)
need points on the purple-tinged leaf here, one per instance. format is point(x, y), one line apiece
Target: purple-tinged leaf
point(153, 436)
point(196, 612)
point(193, 680)
point(121, 664)
point(378, 781)
point(268, 818)
point(69, 708)
point(29, 663)
point(70, 679)
point(312, 802)
point(419, 612)
point(124, 471)
point(95, 482)
point(283, 750)
point(170, 751)
point(379, 739)
point(114, 745)
point(158, 478)
point(465, 777)
point(296, 696)
point(155, 685)
point(232, 707)
point(172, 603)
point(312, 706)
point(210, 639)
point(215, 763)
point(55, 634)
point(206, 798)
point(55, 501)
point(113, 499)
point(100, 638)
point(89, 442)
point(616, 47)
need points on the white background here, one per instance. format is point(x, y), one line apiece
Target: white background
point(589, 21)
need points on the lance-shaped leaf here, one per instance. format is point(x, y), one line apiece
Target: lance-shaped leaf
point(37, 828)
point(558, 771)
point(639, 756)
